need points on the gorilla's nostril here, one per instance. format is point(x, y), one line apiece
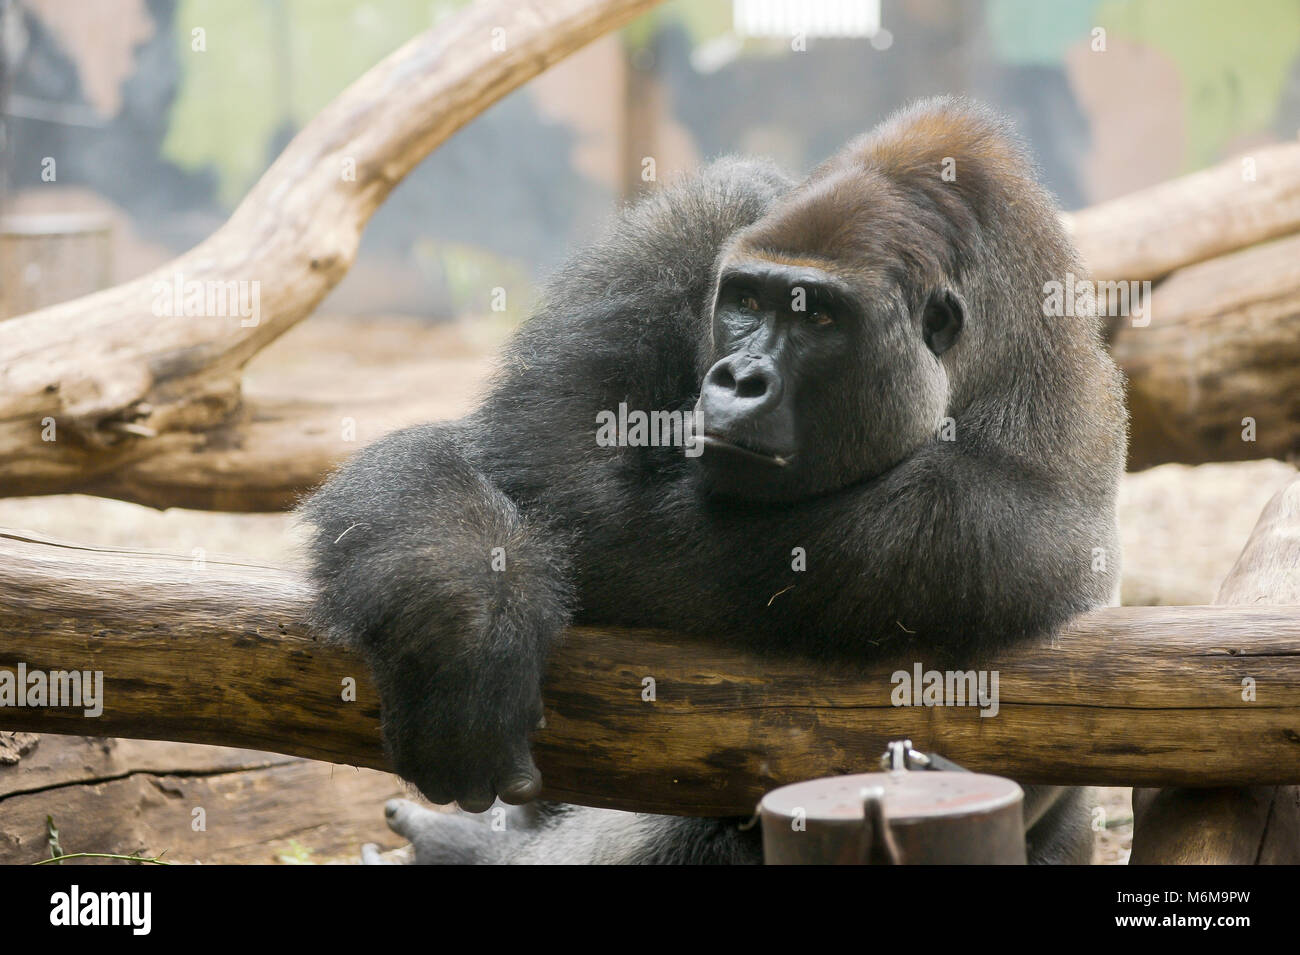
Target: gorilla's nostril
point(723, 378)
point(754, 386)
point(742, 384)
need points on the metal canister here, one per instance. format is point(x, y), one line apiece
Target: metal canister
point(52, 257)
point(912, 818)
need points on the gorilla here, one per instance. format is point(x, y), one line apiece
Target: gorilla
point(878, 384)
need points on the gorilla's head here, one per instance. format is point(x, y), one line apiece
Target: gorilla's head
point(850, 320)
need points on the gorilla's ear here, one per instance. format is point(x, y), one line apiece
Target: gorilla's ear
point(945, 314)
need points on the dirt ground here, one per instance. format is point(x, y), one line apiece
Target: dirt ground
point(1182, 529)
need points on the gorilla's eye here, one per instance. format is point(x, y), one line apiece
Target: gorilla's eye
point(944, 317)
point(748, 302)
point(821, 317)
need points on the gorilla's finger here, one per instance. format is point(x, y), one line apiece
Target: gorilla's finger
point(439, 797)
point(520, 787)
point(477, 802)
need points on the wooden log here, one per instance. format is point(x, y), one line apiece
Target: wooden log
point(1246, 825)
point(1150, 233)
point(217, 652)
point(151, 368)
point(263, 457)
point(1222, 346)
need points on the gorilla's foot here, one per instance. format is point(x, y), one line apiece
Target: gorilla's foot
point(451, 838)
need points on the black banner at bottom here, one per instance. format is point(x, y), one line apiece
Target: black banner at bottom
point(386, 905)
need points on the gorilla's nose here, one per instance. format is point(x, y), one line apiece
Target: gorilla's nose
point(740, 386)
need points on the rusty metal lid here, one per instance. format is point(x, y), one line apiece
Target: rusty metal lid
point(907, 796)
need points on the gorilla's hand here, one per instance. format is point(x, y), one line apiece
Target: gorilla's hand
point(457, 714)
point(454, 599)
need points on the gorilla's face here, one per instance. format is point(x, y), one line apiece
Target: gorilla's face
point(823, 370)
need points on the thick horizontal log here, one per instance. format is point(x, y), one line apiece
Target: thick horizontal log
point(1222, 346)
point(135, 377)
point(1150, 233)
point(217, 652)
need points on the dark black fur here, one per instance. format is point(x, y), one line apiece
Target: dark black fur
point(942, 548)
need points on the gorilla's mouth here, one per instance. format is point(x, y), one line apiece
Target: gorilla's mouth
point(713, 441)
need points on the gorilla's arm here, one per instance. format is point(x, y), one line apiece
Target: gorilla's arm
point(443, 552)
point(954, 554)
point(454, 597)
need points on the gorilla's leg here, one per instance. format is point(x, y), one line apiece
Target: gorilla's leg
point(580, 835)
point(1059, 831)
point(554, 834)
point(1057, 820)
point(1057, 823)
point(454, 597)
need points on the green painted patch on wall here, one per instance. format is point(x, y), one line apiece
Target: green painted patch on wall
point(265, 69)
point(1233, 71)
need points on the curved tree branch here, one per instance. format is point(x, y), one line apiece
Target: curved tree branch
point(132, 373)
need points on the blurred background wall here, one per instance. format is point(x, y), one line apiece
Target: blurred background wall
point(129, 129)
point(158, 115)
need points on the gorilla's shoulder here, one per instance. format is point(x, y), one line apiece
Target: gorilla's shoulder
point(624, 316)
point(729, 192)
point(665, 243)
point(727, 186)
